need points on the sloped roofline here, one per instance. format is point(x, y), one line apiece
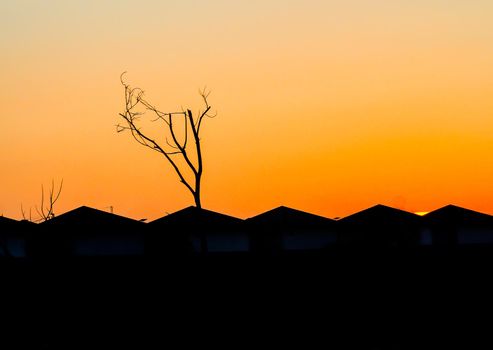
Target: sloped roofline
point(90, 209)
point(192, 208)
point(5, 220)
point(455, 207)
point(283, 208)
point(376, 207)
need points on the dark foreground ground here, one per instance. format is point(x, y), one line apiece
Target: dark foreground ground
point(351, 299)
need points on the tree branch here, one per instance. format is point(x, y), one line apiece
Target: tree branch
point(134, 97)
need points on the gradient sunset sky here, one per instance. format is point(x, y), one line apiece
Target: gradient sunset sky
point(324, 106)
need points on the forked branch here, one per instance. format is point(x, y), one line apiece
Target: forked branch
point(46, 211)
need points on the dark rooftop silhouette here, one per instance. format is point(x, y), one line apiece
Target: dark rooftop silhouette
point(451, 226)
point(86, 230)
point(287, 216)
point(379, 214)
point(189, 218)
point(382, 226)
point(452, 214)
point(4, 220)
point(285, 229)
point(87, 216)
point(20, 224)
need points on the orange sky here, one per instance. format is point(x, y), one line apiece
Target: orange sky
point(325, 106)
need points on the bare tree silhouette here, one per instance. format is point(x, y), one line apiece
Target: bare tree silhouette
point(177, 135)
point(46, 211)
point(24, 216)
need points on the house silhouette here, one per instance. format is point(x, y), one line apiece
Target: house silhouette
point(380, 226)
point(452, 225)
point(185, 230)
point(118, 296)
point(285, 229)
point(13, 237)
point(86, 231)
point(89, 232)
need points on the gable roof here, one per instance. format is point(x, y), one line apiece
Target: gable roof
point(284, 216)
point(7, 221)
point(4, 221)
point(454, 215)
point(381, 215)
point(193, 217)
point(86, 216)
point(14, 227)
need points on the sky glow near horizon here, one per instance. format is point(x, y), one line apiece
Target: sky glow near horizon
point(324, 106)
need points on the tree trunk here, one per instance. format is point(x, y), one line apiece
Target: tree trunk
point(201, 222)
point(196, 197)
